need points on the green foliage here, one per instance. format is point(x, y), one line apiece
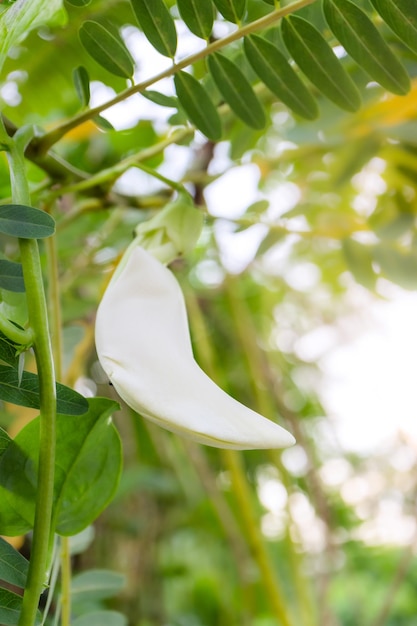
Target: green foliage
point(396, 264)
point(87, 471)
point(236, 90)
point(96, 585)
point(10, 608)
point(191, 94)
point(157, 25)
point(160, 98)
point(319, 63)
point(106, 48)
point(232, 10)
point(82, 84)
point(359, 259)
point(401, 17)
point(20, 18)
point(273, 69)
point(362, 41)
point(9, 351)
point(11, 276)
point(25, 222)
point(101, 618)
point(199, 17)
point(13, 566)
point(24, 391)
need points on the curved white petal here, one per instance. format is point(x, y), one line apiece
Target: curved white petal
point(144, 346)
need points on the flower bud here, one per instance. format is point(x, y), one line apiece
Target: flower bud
point(173, 231)
point(143, 344)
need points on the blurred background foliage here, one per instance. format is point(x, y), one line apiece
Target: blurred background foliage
point(207, 537)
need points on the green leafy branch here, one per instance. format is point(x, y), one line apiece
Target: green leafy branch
point(305, 43)
point(43, 144)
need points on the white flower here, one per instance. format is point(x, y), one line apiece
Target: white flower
point(143, 344)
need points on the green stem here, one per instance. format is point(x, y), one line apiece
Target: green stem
point(38, 321)
point(57, 133)
point(54, 305)
point(65, 582)
point(14, 333)
point(111, 174)
point(168, 181)
point(55, 317)
point(44, 496)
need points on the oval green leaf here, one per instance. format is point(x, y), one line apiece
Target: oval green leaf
point(8, 351)
point(197, 105)
point(13, 566)
point(82, 84)
point(26, 222)
point(102, 123)
point(25, 392)
point(198, 16)
point(274, 70)
point(5, 441)
point(160, 98)
point(101, 618)
point(107, 48)
point(97, 584)
point(89, 460)
point(236, 90)
point(11, 607)
point(361, 39)
point(401, 16)
point(359, 260)
point(318, 62)
point(232, 10)
point(90, 463)
point(11, 276)
point(397, 265)
point(157, 24)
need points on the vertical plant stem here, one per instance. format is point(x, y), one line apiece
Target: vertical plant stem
point(54, 306)
point(65, 582)
point(38, 320)
point(44, 496)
